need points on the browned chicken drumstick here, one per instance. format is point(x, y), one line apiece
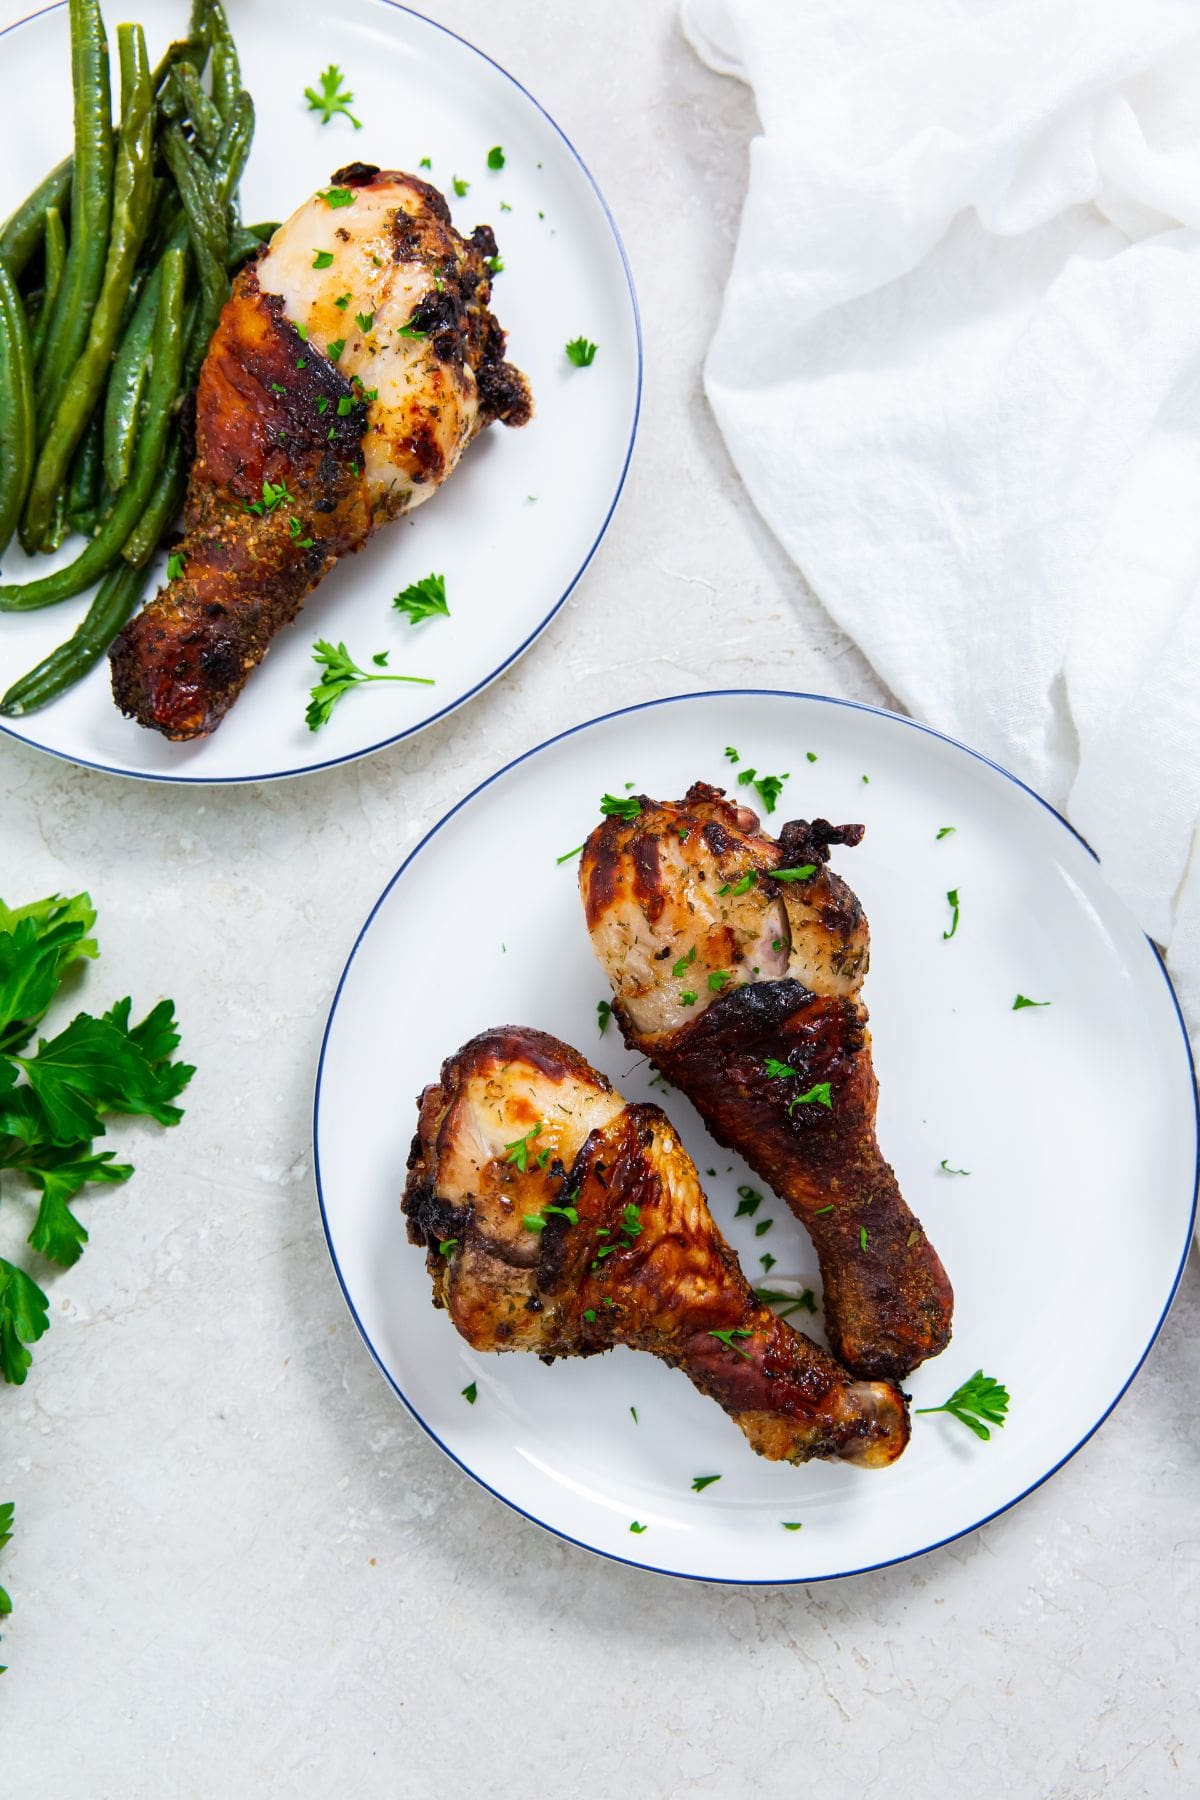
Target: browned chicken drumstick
point(558, 1219)
point(736, 961)
point(351, 366)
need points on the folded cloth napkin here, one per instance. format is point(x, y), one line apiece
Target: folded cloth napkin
point(958, 368)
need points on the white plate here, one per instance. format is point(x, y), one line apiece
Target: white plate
point(509, 560)
point(1077, 1122)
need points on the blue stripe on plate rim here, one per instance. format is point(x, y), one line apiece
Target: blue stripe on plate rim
point(630, 1562)
point(385, 743)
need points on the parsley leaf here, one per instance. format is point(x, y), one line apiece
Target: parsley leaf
point(518, 1150)
point(424, 599)
point(636, 1526)
point(718, 979)
point(322, 259)
point(38, 943)
point(331, 100)
point(175, 565)
point(945, 831)
point(768, 786)
point(569, 855)
point(734, 756)
point(334, 349)
point(471, 1393)
point(495, 157)
point(952, 897)
point(614, 808)
point(336, 196)
point(364, 321)
point(978, 1403)
point(789, 1303)
point(801, 874)
point(748, 1203)
point(581, 353)
point(24, 1318)
point(341, 674)
point(944, 1166)
point(727, 1337)
point(791, 1524)
point(460, 187)
point(700, 1482)
point(603, 1015)
point(1021, 1002)
point(494, 265)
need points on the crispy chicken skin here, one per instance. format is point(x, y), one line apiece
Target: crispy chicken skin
point(631, 1257)
point(686, 891)
point(354, 422)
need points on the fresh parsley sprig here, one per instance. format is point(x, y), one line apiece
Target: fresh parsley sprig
point(330, 100)
point(979, 1403)
point(54, 1101)
point(341, 674)
point(424, 599)
point(615, 807)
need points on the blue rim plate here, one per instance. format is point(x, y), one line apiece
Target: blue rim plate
point(522, 517)
point(1065, 1244)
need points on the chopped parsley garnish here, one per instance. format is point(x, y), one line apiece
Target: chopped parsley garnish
point(944, 1166)
point(295, 527)
point(424, 599)
point(274, 493)
point(688, 999)
point(580, 352)
point(446, 1246)
point(1022, 1001)
point(748, 1203)
point(746, 883)
point(494, 264)
point(603, 1015)
point(801, 874)
point(345, 407)
point(364, 321)
point(567, 855)
point(862, 1237)
point(945, 831)
point(518, 1150)
point(778, 1071)
point(733, 755)
point(175, 565)
point(681, 966)
point(302, 332)
point(460, 187)
point(334, 350)
point(768, 1261)
point(952, 899)
point(410, 331)
point(636, 1527)
point(700, 1482)
point(322, 404)
point(718, 979)
point(470, 1393)
point(823, 1209)
point(495, 157)
point(589, 1313)
point(768, 786)
point(633, 1415)
point(6, 1519)
point(727, 1337)
point(763, 1226)
point(341, 674)
point(322, 259)
point(615, 808)
point(342, 302)
point(331, 100)
point(819, 1095)
point(789, 1303)
point(425, 163)
point(791, 1524)
point(631, 1222)
point(979, 1403)
point(811, 755)
point(337, 196)
point(276, 389)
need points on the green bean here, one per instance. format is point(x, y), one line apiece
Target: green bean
point(161, 509)
point(83, 490)
point(91, 209)
point(207, 225)
point(22, 234)
point(114, 603)
point(16, 406)
point(226, 70)
point(182, 97)
point(130, 216)
point(166, 356)
point(56, 254)
point(246, 239)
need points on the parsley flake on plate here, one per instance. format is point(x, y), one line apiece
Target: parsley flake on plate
point(700, 1482)
point(580, 352)
point(330, 100)
point(952, 901)
point(471, 1393)
point(614, 807)
point(495, 157)
point(424, 599)
point(1021, 1002)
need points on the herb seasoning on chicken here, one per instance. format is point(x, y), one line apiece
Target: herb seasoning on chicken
point(352, 365)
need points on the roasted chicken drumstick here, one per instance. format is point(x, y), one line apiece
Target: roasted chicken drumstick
point(351, 366)
point(736, 961)
point(560, 1220)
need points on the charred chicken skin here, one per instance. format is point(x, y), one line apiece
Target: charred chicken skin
point(352, 364)
point(559, 1220)
point(743, 989)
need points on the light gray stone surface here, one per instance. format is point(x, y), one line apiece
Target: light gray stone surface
point(239, 1568)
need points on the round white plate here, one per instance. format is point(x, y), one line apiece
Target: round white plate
point(1077, 1121)
point(516, 525)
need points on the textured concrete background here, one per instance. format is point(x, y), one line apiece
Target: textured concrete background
point(239, 1568)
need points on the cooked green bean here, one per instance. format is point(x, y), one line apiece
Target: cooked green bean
point(161, 508)
point(22, 234)
point(56, 255)
point(83, 489)
point(226, 70)
point(91, 210)
point(166, 357)
point(130, 216)
point(115, 601)
point(244, 240)
point(182, 97)
point(16, 406)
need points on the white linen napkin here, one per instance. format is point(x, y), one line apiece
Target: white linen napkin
point(958, 368)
